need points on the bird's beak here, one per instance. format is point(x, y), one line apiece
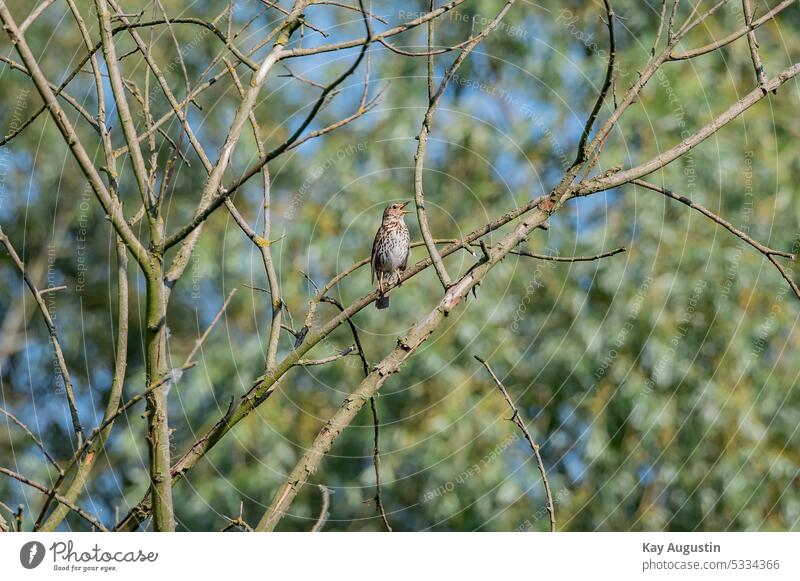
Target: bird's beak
point(406, 211)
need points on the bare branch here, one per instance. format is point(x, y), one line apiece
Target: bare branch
point(33, 437)
point(569, 258)
point(517, 419)
point(262, 242)
point(376, 449)
point(124, 112)
point(376, 461)
point(689, 54)
point(304, 21)
point(323, 512)
point(422, 136)
point(238, 522)
point(690, 24)
point(109, 202)
point(770, 253)
point(51, 329)
point(330, 359)
point(200, 340)
point(753, 97)
point(97, 438)
point(73, 507)
point(761, 75)
point(35, 13)
point(394, 31)
point(607, 83)
point(660, 29)
point(670, 26)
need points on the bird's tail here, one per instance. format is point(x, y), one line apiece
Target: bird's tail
point(382, 302)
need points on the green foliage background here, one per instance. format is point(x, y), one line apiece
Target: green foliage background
point(661, 384)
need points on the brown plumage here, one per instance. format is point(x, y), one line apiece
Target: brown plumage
point(390, 250)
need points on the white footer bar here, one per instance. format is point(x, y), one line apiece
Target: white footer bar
point(385, 556)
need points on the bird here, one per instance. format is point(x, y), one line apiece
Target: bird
point(390, 250)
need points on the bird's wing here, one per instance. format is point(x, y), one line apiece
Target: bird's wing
point(372, 258)
point(404, 262)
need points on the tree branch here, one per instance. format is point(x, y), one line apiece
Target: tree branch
point(51, 329)
point(711, 47)
point(262, 242)
point(569, 258)
point(323, 512)
point(622, 177)
point(73, 507)
point(607, 83)
point(770, 253)
point(517, 419)
point(424, 132)
point(97, 438)
point(761, 75)
point(33, 437)
point(110, 203)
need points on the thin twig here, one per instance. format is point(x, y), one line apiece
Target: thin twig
point(41, 488)
point(424, 133)
point(35, 13)
point(660, 29)
point(353, 8)
point(330, 359)
point(394, 31)
point(517, 419)
point(33, 437)
point(376, 449)
point(376, 422)
point(238, 522)
point(324, 513)
point(705, 49)
point(376, 460)
point(691, 24)
point(51, 328)
point(671, 25)
point(200, 340)
point(761, 74)
point(607, 82)
point(431, 30)
point(303, 19)
point(569, 258)
point(97, 438)
point(262, 242)
point(770, 253)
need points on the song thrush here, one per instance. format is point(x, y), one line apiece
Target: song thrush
point(390, 250)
